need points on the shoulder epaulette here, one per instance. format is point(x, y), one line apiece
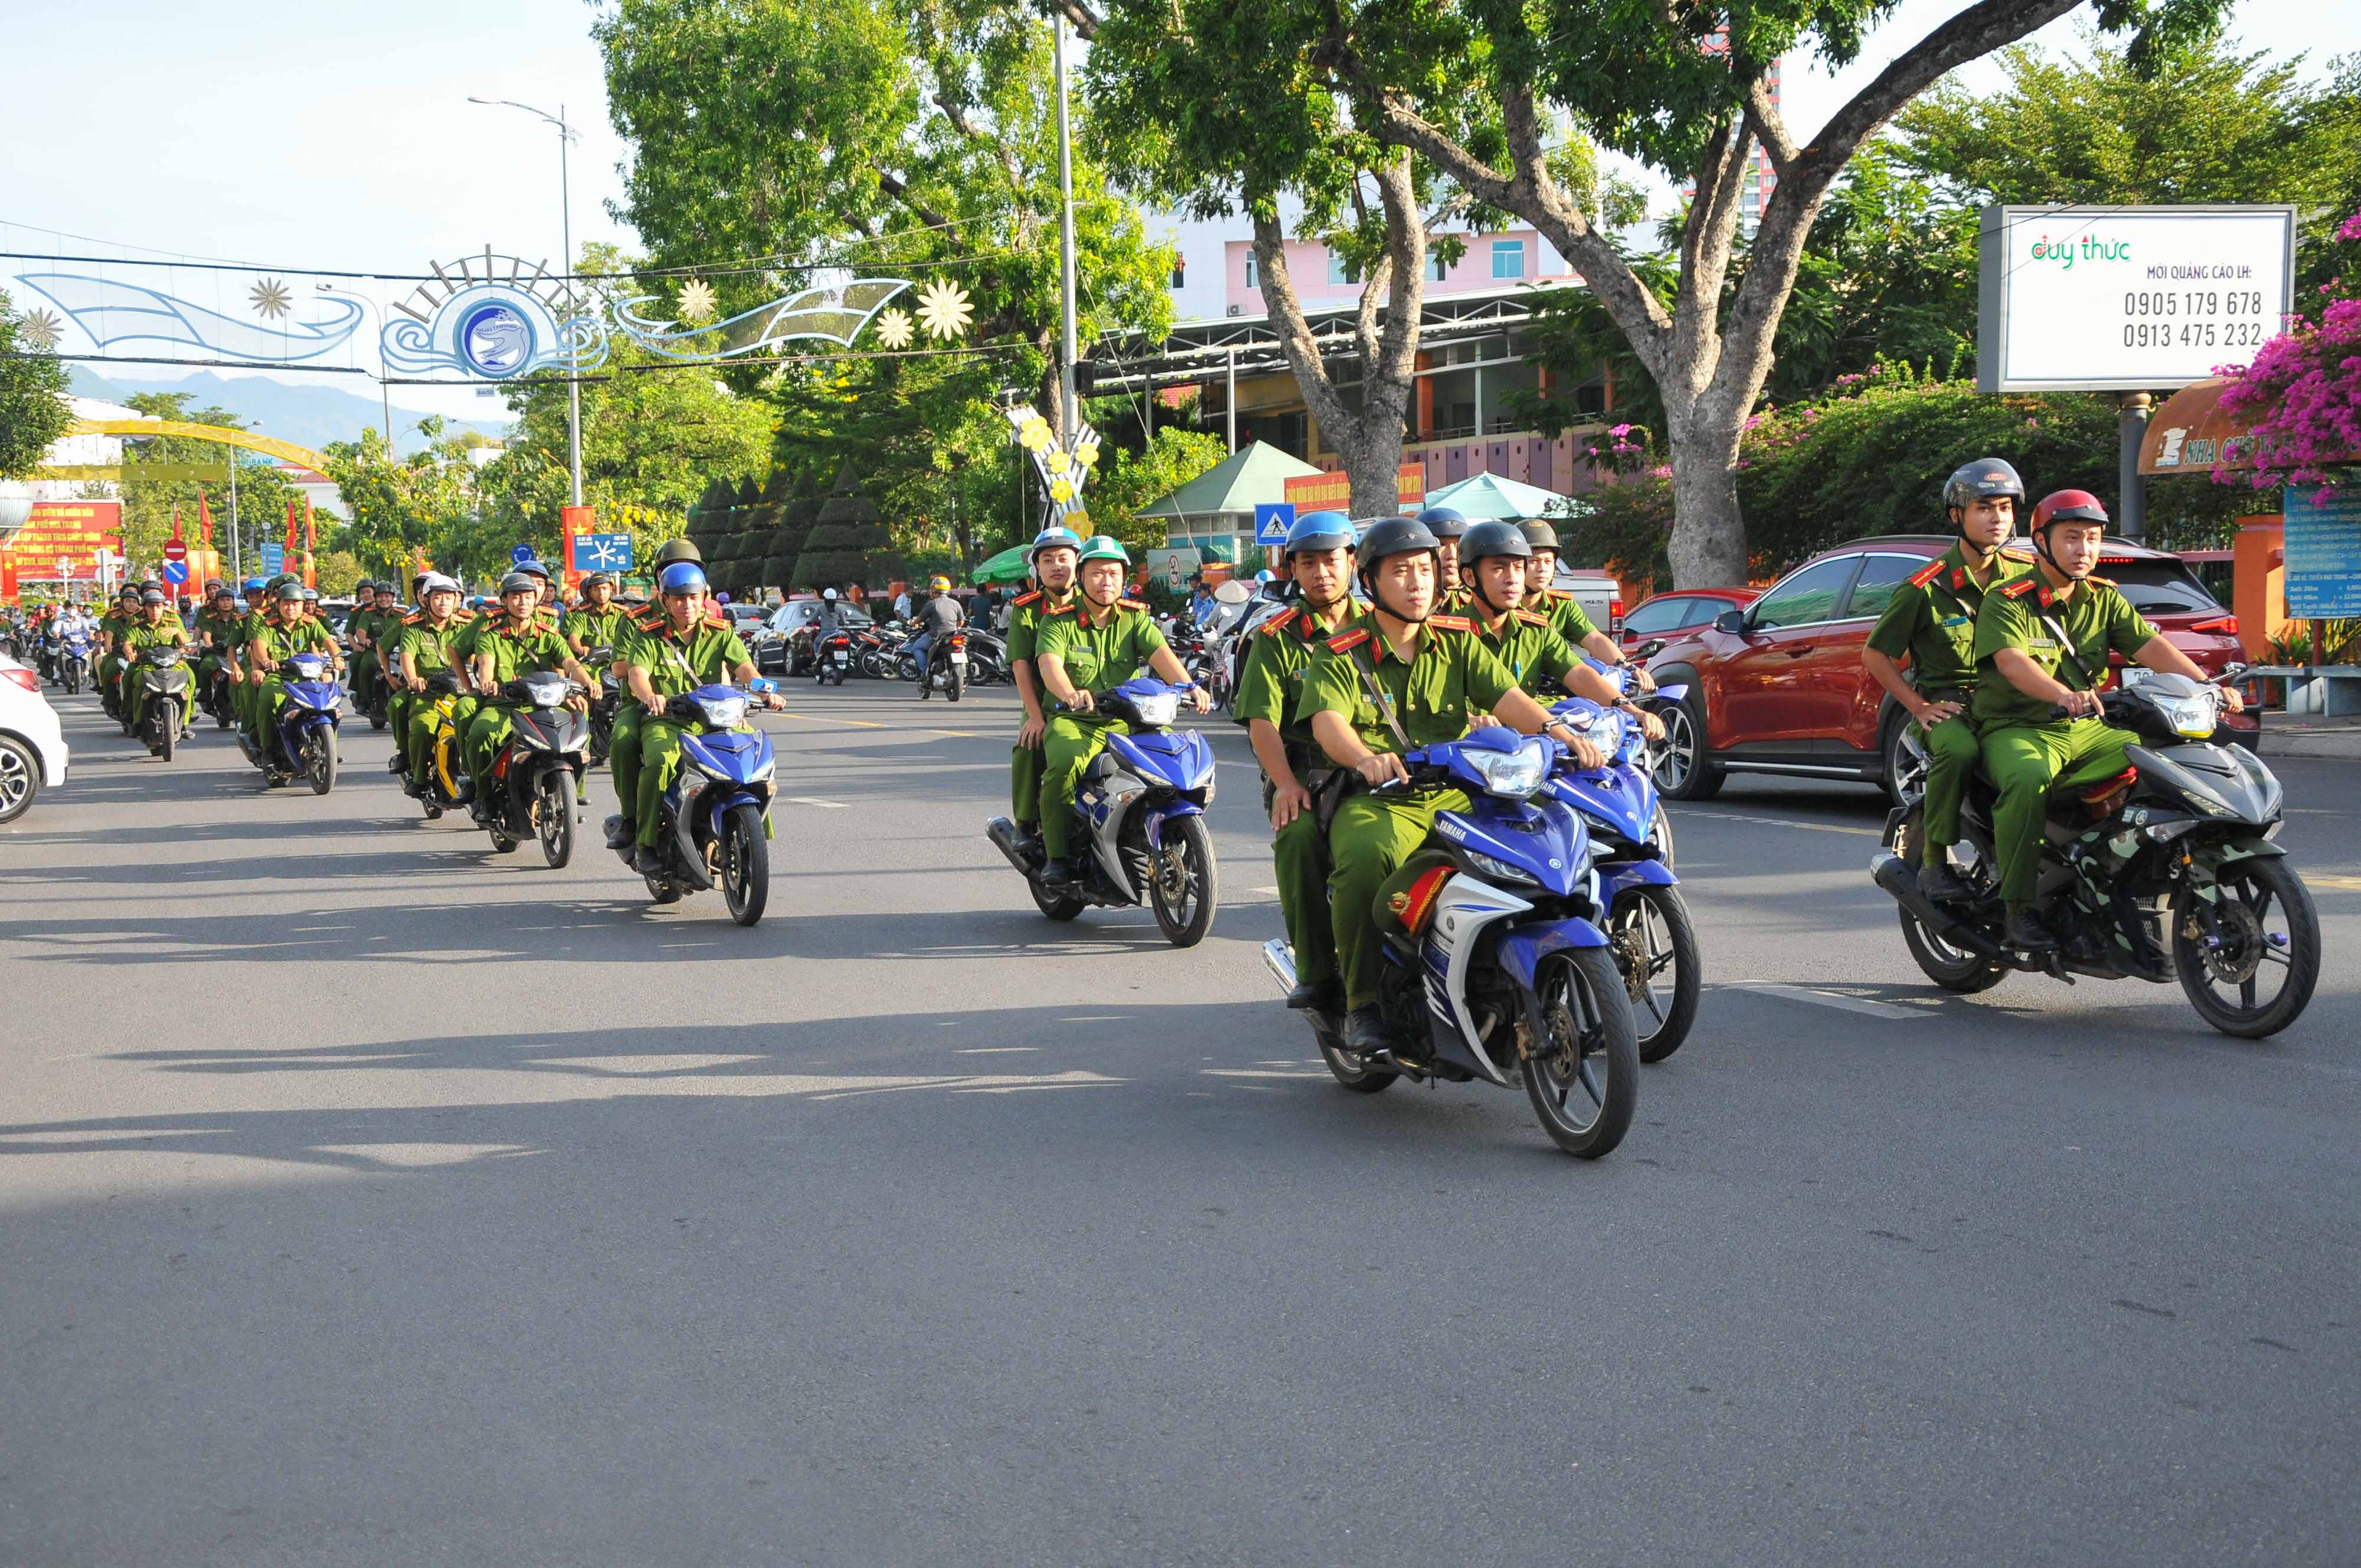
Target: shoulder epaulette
point(1131, 604)
point(2103, 582)
point(413, 617)
point(1528, 616)
point(1451, 622)
point(2017, 589)
point(1021, 601)
point(715, 617)
point(1933, 570)
point(1061, 609)
point(1279, 624)
point(652, 623)
point(1345, 641)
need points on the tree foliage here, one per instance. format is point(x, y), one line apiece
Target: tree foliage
point(33, 408)
point(263, 493)
point(1135, 479)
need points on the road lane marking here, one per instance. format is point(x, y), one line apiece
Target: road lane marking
point(962, 734)
point(815, 800)
point(1781, 822)
point(1830, 999)
point(822, 719)
point(2341, 883)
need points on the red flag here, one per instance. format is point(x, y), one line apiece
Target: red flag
point(311, 542)
point(176, 521)
point(290, 525)
point(204, 521)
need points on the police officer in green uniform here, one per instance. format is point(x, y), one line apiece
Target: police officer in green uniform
point(598, 621)
point(1052, 558)
point(285, 631)
point(397, 619)
point(1931, 621)
point(1449, 525)
point(519, 642)
point(1319, 557)
point(623, 745)
point(362, 627)
point(1404, 678)
point(1564, 611)
point(156, 627)
point(692, 645)
point(219, 636)
point(1492, 563)
point(430, 646)
point(1101, 636)
point(2042, 643)
point(118, 620)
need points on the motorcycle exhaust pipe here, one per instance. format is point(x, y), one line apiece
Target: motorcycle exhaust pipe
point(1003, 834)
point(1279, 959)
point(1886, 868)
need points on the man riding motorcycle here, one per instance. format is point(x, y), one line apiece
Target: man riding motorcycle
point(363, 627)
point(1052, 558)
point(287, 629)
point(1566, 613)
point(1931, 621)
point(517, 643)
point(1407, 678)
point(1100, 636)
point(938, 619)
point(428, 646)
point(156, 627)
point(221, 629)
point(120, 618)
point(2042, 642)
point(598, 621)
point(1319, 556)
point(690, 645)
point(1493, 559)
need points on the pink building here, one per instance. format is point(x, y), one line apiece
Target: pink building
point(1491, 261)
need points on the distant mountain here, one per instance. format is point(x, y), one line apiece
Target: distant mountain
point(307, 416)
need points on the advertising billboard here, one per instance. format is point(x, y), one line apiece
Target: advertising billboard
point(71, 532)
point(2127, 299)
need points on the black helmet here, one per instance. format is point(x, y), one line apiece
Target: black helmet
point(1443, 522)
point(1488, 539)
point(151, 595)
point(596, 580)
point(1393, 536)
point(520, 583)
point(1972, 482)
point(1538, 534)
point(674, 550)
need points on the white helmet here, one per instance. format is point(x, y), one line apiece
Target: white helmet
point(828, 593)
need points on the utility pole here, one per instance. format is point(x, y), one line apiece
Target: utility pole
point(1070, 412)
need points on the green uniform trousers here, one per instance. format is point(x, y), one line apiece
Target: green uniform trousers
point(1024, 784)
point(1067, 747)
point(1371, 837)
point(659, 765)
point(486, 733)
point(623, 756)
point(425, 719)
point(397, 719)
point(361, 670)
point(1952, 751)
point(1298, 852)
point(2025, 763)
point(110, 674)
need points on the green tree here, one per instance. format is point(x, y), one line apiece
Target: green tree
point(33, 408)
point(401, 507)
point(263, 493)
point(1136, 480)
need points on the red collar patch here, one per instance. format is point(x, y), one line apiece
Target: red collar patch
point(1451, 622)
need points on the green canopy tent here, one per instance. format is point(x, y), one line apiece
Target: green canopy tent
point(1495, 497)
point(1214, 510)
point(1008, 566)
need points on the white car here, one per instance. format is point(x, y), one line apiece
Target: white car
point(32, 747)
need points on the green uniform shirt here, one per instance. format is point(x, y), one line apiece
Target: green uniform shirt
point(1103, 652)
point(678, 662)
point(432, 648)
point(280, 639)
point(1566, 616)
point(1932, 619)
point(1533, 651)
point(166, 633)
point(2097, 619)
point(1431, 696)
point(222, 630)
point(360, 623)
point(1025, 616)
point(1271, 687)
point(515, 653)
point(599, 628)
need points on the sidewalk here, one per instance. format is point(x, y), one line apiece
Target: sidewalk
point(2309, 735)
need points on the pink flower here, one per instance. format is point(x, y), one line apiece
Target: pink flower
point(2350, 228)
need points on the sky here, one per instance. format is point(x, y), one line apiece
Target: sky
point(339, 136)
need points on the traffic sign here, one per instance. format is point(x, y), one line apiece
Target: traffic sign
point(274, 560)
point(520, 554)
point(602, 551)
point(1272, 520)
point(176, 572)
point(176, 550)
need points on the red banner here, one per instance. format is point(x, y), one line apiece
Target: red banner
point(572, 522)
point(73, 531)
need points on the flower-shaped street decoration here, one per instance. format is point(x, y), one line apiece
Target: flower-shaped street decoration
point(1033, 434)
point(1063, 469)
point(943, 310)
point(697, 301)
point(41, 330)
point(270, 298)
point(893, 329)
point(1061, 491)
point(1060, 462)
point(1086, 453)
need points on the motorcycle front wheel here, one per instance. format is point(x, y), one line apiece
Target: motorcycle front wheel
point(553, 810)
point(1583, 1076)
point(1656, 949)
point(2268, 930)
point(745, 857)
point(167, 727)
point(320, 760)
point(1184, 885)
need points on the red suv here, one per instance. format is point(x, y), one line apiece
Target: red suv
point(1778, 687)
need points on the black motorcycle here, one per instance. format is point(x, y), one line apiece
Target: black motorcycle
point(217, 695)
point(535, 777)
point(163, 674)
point(372, 699)
point(2168, 871)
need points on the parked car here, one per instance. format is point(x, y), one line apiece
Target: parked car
point(770, 643)
point(32, 746)
point(1600, 596)
point(1668, 616)
point(1778, 686)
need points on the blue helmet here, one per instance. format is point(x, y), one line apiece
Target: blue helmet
point(252, 585)
point(1054, 539)
point(681, 577)
point(1319, 530)
point(1445, 523)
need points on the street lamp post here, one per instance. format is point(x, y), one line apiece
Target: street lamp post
point(565, 134)
point(1070, 410)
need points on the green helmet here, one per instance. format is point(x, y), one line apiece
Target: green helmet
point(1103, 547)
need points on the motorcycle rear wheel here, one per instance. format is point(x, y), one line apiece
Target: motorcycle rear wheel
point(1955, 970)
point(1650, 927)
point(745, 857)
point(320, 760)
point(1184, 885)
point(955, 684)
point(662, 891)
point(2249, 889)
point(554, 818)
point(1583, 1078)
point(1056, 905)
point(1349, 1069)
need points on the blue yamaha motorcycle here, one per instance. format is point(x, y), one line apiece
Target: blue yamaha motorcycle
point(73, 662)
point(1653, 939)
point(715, 828)
point(1499, 963)
point(302, 744)
point(1140, 808)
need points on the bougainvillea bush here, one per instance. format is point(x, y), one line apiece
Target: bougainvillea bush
point(2302, 395)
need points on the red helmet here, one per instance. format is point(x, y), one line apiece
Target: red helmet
point(2068, 506)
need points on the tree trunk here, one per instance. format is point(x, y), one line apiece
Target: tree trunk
point(1709, 543)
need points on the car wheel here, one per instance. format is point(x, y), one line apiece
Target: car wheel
point(1682, 771)
point(20, 778)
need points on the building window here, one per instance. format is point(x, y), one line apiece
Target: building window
point(1338, 272)
point(1252, 281)
point(1179, 273)
point(1508, 258)
point(1434, 268)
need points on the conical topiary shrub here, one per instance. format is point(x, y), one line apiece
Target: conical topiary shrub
point(849, 542)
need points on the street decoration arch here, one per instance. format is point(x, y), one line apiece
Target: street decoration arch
point(286, 451)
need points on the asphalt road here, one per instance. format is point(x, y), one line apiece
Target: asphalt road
point(369, 1198)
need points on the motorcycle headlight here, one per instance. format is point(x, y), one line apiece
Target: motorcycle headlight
point(2192, 717)
point(1513, 774)
point(1500, 870)
point(723, 712)
point(1159, 711)
point(545, 690)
